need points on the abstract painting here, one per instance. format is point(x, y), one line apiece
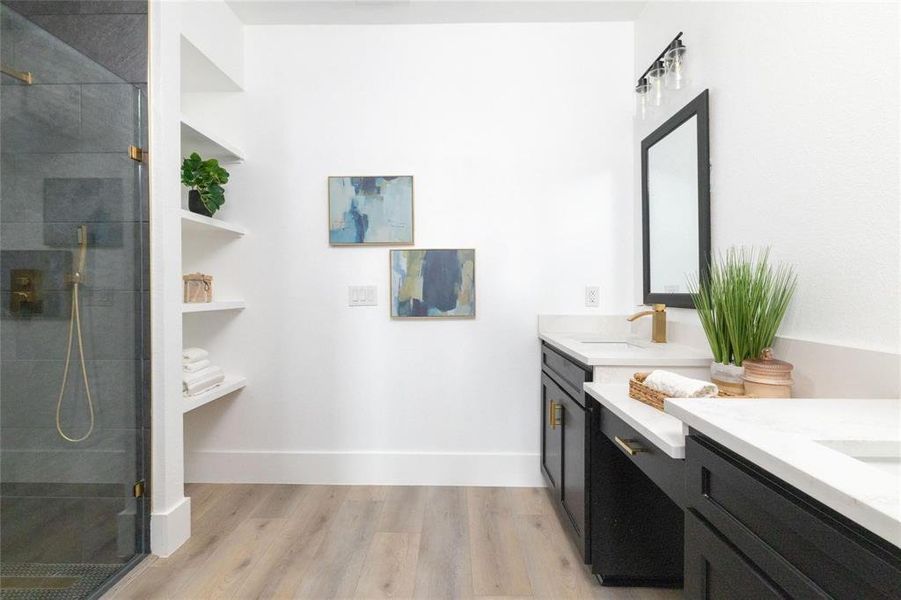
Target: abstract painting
point(433, 284)
point(370, 210)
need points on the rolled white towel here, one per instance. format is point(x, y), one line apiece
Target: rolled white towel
point(193, 367)
point(190, 355)
point(204, 384)
point(192, 378)
point(202, 388)
point(678, 386)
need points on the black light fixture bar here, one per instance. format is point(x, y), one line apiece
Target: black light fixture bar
point(659, 57)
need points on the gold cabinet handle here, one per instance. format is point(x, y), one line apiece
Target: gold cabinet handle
point(629, 446)
point(554, 409)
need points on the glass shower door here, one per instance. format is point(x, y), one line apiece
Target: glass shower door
point(74, 386)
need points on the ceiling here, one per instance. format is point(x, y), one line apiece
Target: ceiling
point(307, 12)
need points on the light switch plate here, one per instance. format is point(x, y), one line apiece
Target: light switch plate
point(362, 295)
point(592, 295)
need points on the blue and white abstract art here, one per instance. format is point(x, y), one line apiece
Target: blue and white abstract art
point(370, 210)
point(433, 284)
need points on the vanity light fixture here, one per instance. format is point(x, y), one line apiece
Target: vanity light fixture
point(667, 70)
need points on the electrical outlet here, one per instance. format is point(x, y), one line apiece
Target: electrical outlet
point(362, 295)
point(592, 295)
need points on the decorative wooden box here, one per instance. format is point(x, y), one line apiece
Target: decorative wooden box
point(198, 288)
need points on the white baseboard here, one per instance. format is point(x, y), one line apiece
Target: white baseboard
point(170, 529)
point(364, 468)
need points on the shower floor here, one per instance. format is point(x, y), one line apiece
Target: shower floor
point(44, 581)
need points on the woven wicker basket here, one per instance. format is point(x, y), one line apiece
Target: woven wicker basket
point(639, 391)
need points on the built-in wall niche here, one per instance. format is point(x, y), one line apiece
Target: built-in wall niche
point(212, 245)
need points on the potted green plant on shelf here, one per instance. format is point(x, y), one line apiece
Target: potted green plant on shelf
point(741, 304)
point(205, 179)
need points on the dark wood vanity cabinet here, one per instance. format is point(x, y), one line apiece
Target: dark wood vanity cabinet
point(565, 433)
point(750, 535)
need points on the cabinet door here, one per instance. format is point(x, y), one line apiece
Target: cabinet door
point(714, 570)
point(572, 494)
point(551, 432)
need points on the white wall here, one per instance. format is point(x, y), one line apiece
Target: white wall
point(520, 141)
point(804, 124)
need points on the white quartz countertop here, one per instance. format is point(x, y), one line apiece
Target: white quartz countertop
point(635, 351)
point(811, 444)
point(663, 430)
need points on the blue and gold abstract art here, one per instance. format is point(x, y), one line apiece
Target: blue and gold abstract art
point(433, 283)
point(370, 210)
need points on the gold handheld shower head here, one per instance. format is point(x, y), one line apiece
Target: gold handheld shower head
point(75, 332)
point(81, 234)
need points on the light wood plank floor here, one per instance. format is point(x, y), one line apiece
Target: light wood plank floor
point(296, 541)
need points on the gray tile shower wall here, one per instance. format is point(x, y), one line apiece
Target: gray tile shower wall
point(47, 529)
point(111, 33)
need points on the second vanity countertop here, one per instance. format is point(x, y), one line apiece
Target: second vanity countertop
point(624, 351)
point(809, 443)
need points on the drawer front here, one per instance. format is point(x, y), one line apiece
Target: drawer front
point(803, 546)
point(668, 473)
point(569, 374)
point(714, 570)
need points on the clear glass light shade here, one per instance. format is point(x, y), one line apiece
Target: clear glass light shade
point(674, 61)
point(655, 80)
point(642, 98)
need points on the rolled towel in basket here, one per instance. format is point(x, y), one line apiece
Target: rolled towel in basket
point(190, 355)
point(678, 386)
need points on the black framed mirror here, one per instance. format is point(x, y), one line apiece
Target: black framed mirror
point(675, 204)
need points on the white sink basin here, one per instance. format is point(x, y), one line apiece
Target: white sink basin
point(607, 342)
point(884, 455)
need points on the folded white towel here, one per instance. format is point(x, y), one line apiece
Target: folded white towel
point(204, 384)
point(193, 367)
point(197, 390)
point(677, 386)
point(201, 375)
point(190, 355)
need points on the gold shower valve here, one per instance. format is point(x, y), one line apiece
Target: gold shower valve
point(25, 296)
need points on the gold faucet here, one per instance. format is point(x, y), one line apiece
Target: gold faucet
point(658, 327)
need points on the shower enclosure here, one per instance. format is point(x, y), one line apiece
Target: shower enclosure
point(74, 320)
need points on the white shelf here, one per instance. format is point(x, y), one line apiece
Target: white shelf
point(207, 145)
point(194, 222)
point(213, 306)
point(231, 384)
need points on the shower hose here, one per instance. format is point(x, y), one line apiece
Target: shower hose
point(75, 328)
